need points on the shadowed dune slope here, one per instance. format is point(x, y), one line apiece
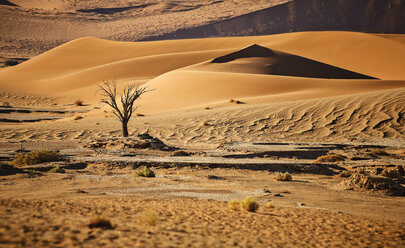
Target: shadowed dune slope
point(258, 59)
point(370, 16)
point(5, 2)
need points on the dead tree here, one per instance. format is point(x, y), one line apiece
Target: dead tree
point(130, 94)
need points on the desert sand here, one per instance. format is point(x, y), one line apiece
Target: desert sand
point(240, 108)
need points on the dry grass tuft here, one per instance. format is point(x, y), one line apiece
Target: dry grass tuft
point(279, 176)
point(270, 205)
point(235, 101)
point(181, 153)
point(345, 174)
point(35, 157)
point(6, 105)
point(57, 170)
point(379, 152)
point(149, 217)
point(144, 172)
point(233, 204)
point(330, 158)
point(100, 222)
point(79, 103)
point(250, 205)
point(77, 117)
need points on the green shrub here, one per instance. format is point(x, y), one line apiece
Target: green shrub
point(57, 170)
point(181, 153)
point(35, 157)
point(144, 172)
point(250, 205)
point(330, 158)
point(279, 176)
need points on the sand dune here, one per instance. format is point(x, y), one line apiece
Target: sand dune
point(258, 59)
point(88, 61)
point(281, 70)
point(43, 25)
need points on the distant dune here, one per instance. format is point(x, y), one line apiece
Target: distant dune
point(36, 26)
point(372, 16)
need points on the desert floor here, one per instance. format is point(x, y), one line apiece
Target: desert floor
point(242, 109)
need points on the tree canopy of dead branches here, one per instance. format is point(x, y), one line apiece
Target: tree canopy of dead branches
point(130, 94)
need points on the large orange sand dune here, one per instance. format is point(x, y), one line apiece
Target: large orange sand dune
point(318, 64)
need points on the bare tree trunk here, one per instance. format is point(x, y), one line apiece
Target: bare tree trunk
point(125, 129)
point(130, 94)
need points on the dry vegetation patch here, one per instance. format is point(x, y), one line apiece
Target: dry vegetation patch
point(181, 153)
point(279, 176)
point(144, 171)
point(79, 103)
point(330, 158)
point(100, 222)
point(250, 205)
point(379, 152)
point(35, 157)
point(375, 183)
point(149, 217)
point(57, 170)
point(345, 174)
point(233, 204)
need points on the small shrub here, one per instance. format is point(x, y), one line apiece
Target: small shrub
point(345, 174)
point(181, 153)
point(57, 170)
point(250, 205)
point(207, 108)
point(149, 218)
point(279, 176)
point(6, 105)
point(100, 222)
point(330, 158)
point(139, 115)
point(78, 103)
point(235, 101)
point(10, 62)
point(35, 157)
point(144, 172)
point(213, 177)
point(379, 152)
point(77, 117)
point(233, 204)
point(269, 205)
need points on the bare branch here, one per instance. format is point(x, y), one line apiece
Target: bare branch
point(131, 92)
